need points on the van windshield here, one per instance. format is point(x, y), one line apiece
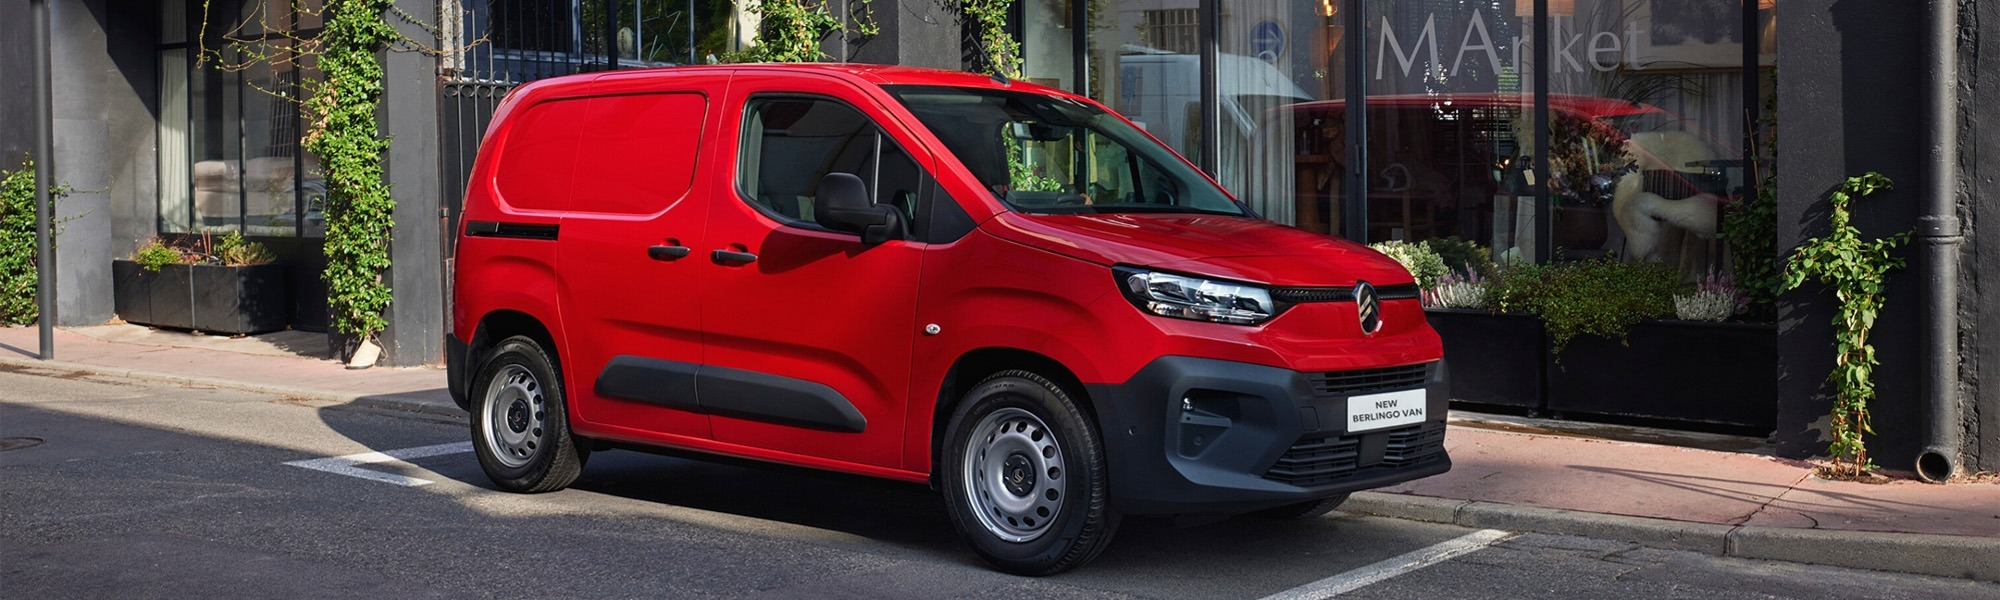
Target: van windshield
point(1043, 154)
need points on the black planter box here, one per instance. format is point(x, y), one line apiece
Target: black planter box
point(209, 298)
point(233, 300)
point(1495, 360)
point(132, 291)
point(1714, 373)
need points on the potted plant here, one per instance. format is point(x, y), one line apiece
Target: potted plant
point(230, 286)
point(1616, 349)
point(1495, 357)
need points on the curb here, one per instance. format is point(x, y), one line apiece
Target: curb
point(400, 402)
point(1967, 557)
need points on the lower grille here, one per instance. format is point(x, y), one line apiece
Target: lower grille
point(1327, 458)
point(1410, 446)
point(1347, 383)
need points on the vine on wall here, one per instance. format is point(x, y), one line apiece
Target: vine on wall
point(341, 130)
point(1001, 51)
point(791, 30)
point(1857, 271)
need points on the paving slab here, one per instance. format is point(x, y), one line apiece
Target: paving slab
point(1971, 509)
point(238, 363)
point(1600, 476)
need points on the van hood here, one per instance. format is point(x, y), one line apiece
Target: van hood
point(1242, 248)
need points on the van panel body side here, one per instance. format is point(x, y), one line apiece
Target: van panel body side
point(644, 140)
point(510, 271)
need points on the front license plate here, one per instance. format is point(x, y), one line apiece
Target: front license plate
point(1379, 411)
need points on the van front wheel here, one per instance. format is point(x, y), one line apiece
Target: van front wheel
point(520, 427)
point(1024, 477)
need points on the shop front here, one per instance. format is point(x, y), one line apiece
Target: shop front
point(1446, 124)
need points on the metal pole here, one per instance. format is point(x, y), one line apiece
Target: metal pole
point(45, 257)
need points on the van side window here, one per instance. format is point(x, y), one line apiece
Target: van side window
point(789, 143)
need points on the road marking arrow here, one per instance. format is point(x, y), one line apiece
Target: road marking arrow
point(350, 465)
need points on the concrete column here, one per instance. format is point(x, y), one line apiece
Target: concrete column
point(106, 97)
point(913, 34)
point(409, 118)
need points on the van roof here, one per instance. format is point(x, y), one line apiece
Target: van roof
point(869, 73)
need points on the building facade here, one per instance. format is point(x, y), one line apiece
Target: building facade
point(1539, 130)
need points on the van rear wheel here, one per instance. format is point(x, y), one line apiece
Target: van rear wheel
point(520, 427)
point(1024, 476)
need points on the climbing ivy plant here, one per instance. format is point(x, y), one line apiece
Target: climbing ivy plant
point(341, 130)
point(791, 30)
point(339, 111)
point(1857, 271)
point(1001, 52)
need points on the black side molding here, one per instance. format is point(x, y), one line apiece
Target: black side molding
point(650, 380)
point(732, 393)
point(525, 231)
point(773, 399)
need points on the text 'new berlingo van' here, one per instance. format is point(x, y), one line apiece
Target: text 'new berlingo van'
point(1001, 289)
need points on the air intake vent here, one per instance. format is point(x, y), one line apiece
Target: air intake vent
point(1348, 383)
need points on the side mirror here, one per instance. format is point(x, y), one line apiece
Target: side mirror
point(842, 204)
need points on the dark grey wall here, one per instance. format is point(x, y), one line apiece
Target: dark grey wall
point(17, 115)
point(1850, 100)
point(914, 33)
point(105, 90)
point(416, 278)
point(1980, 314)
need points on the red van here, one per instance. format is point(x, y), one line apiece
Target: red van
point(1001, 289)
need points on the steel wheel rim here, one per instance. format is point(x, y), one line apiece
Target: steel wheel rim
point(1015, 479)
point(515, 416)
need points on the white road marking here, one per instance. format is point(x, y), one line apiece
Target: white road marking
point(350, 465)
point(1375, 573)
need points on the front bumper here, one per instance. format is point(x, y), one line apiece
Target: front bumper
point(1258, 437)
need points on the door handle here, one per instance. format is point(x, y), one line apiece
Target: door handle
point(665, 253)
point(723, 257)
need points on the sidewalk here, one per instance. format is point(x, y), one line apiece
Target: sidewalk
point(1722, 503)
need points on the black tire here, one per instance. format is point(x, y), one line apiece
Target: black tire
point(524, 445)
point(1303, 510)
point(1035, 450)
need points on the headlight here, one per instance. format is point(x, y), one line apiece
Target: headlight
point(1185, 297)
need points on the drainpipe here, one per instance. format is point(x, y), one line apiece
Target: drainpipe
point(1938, 239)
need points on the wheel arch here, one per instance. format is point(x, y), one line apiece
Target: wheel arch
point(975, 366)
point(498, 325)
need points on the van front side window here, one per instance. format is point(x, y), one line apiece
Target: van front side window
point(789, 143)
point(1045, 154)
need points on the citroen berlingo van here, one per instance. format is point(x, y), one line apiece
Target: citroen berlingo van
point(1003, 290)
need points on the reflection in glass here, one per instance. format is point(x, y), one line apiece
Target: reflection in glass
point(1273, 57)
point(1449, 111)
point(1144, 63)
point(1640, 141)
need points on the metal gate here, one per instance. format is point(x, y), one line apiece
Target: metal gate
point(502, 44)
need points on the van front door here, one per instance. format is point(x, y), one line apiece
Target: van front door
point(808, 330)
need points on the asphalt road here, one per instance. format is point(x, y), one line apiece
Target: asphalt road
point(141, 491)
